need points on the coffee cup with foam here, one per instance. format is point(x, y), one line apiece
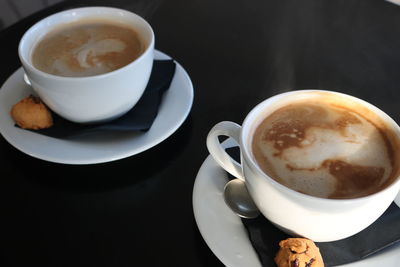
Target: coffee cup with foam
point(82, 64)
point(318, 164)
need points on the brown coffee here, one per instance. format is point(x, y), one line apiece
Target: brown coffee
point(325, 149)
point(87, 48)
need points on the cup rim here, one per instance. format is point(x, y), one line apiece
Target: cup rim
point(26, 63)
point(244, 142)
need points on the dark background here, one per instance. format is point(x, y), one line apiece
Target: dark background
point(138, 211)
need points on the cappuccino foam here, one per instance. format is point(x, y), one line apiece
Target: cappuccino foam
point(87, 48)
point(323, 150)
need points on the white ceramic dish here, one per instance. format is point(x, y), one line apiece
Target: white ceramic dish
point(100, 147)
point(224, 232)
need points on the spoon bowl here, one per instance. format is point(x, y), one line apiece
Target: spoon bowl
point(239, 200)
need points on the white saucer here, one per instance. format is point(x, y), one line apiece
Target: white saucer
point(224, 232)
point(100, 147)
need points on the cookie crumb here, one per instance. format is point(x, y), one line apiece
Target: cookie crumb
point(298, 252)
point(31, 113)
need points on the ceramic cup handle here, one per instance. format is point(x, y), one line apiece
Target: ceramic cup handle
point(26, 80)
point(230, 129)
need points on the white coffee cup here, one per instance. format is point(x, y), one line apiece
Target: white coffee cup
point(319, 219)
point(93, 98)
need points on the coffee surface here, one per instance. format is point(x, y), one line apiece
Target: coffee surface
point(87, 48)
point(324, 150)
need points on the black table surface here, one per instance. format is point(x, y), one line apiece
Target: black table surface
point(138, 211)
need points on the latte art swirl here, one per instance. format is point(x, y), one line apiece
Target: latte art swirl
point(323, 150)
point(87, 48)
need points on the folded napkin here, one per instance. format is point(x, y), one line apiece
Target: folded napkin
point(139, 118)
point(384, 232)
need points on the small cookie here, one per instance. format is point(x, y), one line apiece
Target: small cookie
point(298, 252)
point(31, 113)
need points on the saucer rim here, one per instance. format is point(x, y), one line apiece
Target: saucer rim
point(13, 135)
point(238, 251)
point(234, 256)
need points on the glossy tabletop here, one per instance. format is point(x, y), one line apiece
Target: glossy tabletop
point(137, 211)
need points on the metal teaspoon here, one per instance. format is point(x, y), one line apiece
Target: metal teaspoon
point(239, 200)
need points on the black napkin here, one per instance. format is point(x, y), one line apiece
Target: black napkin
point(139, 118)
point(384, 232)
